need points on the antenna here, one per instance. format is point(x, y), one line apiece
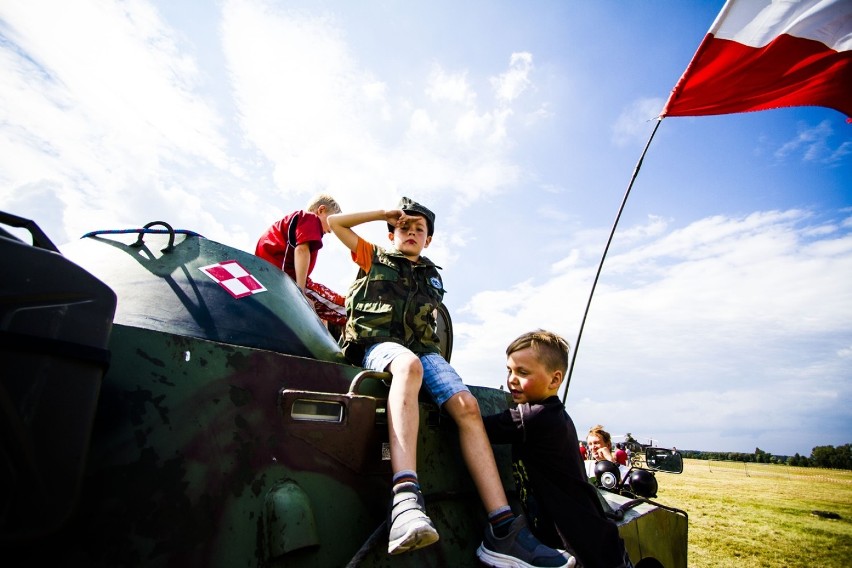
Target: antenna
point(603, 257)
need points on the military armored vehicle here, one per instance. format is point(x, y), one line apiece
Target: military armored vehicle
point(167, 400)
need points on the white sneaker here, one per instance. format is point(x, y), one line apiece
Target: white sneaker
point(409, 526)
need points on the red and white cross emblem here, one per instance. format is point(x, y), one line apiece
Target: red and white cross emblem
point(231, 276)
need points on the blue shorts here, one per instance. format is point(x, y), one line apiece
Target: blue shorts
point(439, 378)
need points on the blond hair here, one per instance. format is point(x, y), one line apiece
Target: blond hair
point(323, 199)
point(551, 349)
point(602, 434)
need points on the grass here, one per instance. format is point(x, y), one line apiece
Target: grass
point(762, 514)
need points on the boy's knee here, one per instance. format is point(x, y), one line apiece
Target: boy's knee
point(408, 366)
point(463, 406)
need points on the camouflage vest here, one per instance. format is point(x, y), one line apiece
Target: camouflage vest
point(395, 301)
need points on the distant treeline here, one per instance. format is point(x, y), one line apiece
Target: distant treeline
point(821, 456)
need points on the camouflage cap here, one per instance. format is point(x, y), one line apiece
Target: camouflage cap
point(411, 207)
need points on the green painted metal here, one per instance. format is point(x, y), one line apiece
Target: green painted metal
point(212, 446)
point(167, 291)
point(651, 531)
point(289, 520)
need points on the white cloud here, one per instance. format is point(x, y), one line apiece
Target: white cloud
point(299, 94)
point(325, 122)
point(814, 143)
point(422, 125)
point(449, 87)
point(567, 263)
point(105, 110)
point(721, 312)
point(654, 227)
point(509, 85)
point(636, 122)
point(95, 101)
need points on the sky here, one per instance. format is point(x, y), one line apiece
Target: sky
point(722, 318)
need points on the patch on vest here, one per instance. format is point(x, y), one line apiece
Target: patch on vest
point(436, 282)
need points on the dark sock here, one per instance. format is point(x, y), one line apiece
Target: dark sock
point(501, 520)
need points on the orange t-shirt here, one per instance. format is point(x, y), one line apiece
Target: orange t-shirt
point(363, 254)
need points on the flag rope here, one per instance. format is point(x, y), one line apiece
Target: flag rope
point(603, 257)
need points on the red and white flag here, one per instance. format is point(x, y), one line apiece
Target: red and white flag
point(763, 54)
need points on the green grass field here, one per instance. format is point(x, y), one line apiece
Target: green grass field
point(762, 514)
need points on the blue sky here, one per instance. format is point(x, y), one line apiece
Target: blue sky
point(723, 315)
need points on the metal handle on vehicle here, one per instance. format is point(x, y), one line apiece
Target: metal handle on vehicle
point(363, 375)
point(171, 244)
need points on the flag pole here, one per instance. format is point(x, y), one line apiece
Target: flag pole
point(603, 257)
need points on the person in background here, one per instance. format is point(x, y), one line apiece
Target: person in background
point(620, 455)
point(600, 444)
point(392, 327)
point(292, 244)
point(583, 452)
point(562, 506)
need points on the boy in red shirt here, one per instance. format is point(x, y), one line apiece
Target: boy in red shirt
point(292, 244)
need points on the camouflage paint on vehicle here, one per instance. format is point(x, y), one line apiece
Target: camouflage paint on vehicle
point(228, 431)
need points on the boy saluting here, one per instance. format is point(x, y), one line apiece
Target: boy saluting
point(391, 327)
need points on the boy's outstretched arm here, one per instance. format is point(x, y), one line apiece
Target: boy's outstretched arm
point(341, 223)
